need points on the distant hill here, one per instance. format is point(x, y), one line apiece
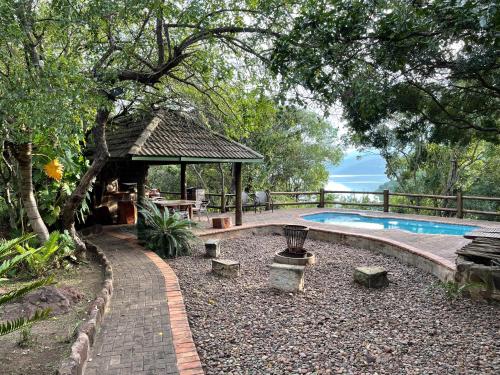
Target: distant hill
point(364, 171)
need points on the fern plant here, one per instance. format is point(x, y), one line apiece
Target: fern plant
point(166, 234)
point(7, 249)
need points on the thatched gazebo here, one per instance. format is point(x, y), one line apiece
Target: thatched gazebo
point(168, 137)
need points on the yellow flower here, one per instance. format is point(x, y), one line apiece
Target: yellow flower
point(54, 169)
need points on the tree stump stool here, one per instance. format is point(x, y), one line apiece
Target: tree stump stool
point(226, 267)
point(371, 277)
point(287, 277)
point(212, 248)
point(221, 222)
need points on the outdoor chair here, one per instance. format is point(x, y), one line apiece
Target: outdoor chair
point(201, 207)
point(245, 200)
point(262, 199)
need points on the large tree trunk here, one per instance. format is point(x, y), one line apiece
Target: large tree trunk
point(22, 153)
point(101, 155)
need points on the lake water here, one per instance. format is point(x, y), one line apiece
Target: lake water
point(358, 171)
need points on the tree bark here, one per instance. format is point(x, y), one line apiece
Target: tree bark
point(101, 156)
point(10, 207)
point(22, 153)
point(7, 176)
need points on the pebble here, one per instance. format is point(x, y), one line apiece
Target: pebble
point(335, 326)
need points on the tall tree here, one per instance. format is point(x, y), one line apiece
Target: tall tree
point(40, 89)
point(141, 51)
point(411, 65)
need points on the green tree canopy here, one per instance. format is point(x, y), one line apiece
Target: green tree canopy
point(429, 65)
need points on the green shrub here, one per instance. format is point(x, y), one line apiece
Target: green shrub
point(454, 291)
point(49, 255)
point(166, 234)
point(10, 261)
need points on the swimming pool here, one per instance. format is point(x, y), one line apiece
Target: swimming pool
point(414, 226)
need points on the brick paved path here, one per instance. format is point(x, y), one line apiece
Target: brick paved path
point(135, 336)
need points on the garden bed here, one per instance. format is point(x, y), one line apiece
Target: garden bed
point(51, 339)
point(242, 326)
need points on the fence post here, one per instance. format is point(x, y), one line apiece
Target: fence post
point(321, 198)
point(223, 202)
point(386, 200)
point(268, 200)
point(460, 205)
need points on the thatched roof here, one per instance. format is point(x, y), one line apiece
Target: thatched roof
point(171, 136)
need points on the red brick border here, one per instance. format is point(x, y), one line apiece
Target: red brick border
point(188, 361)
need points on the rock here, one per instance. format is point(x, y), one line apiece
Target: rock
point(371, 277)
point(286, 277)
point(226, 267)
point(212, 248)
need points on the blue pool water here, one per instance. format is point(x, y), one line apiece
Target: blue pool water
point(414, 226)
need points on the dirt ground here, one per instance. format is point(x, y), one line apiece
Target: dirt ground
point(50, 340)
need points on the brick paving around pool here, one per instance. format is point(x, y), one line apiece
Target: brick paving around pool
point(146, 330)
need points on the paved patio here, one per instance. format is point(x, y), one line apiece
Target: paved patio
point(441, 245)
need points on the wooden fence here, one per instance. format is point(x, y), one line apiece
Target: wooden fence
point(323, 197)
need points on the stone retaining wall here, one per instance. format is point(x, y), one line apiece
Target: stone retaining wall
point(80, 350)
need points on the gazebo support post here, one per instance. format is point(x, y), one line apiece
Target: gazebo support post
point(142, 172)
point(183, 181)
point(141, 183)
point(223, 191)
point(239, 203)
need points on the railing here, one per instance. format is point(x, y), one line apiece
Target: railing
point(322, 199)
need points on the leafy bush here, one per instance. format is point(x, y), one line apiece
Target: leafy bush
point(166, 234)
point(51, 254)
point(10, 260)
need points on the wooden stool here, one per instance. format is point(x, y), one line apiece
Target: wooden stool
point(223, 222)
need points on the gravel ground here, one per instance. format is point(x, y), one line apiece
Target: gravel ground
point(241, 326)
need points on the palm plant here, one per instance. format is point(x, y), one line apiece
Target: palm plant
point(9, 262)
point(167, 234)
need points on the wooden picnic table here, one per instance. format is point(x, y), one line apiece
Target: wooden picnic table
point(180, 204)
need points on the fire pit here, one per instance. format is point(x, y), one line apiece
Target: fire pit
point(295, 254)
point(295, 237)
